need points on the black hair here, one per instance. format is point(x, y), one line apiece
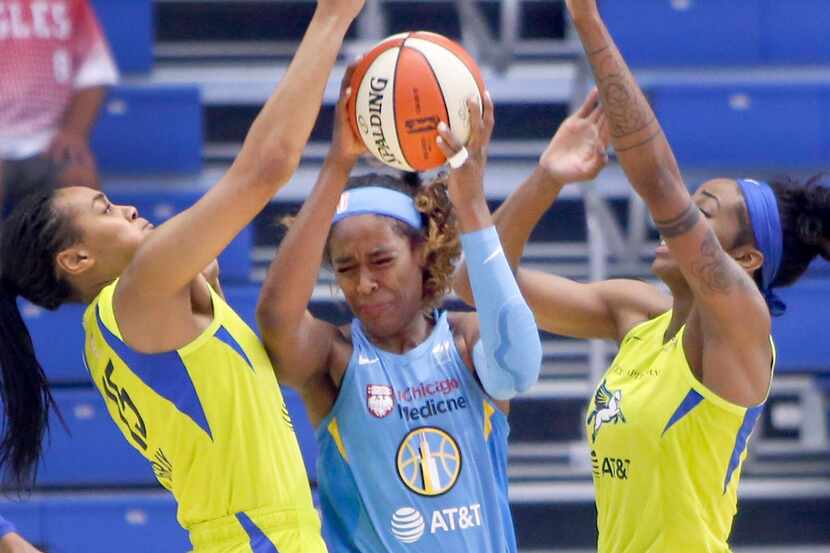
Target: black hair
point(29, 241)
point(805, 224)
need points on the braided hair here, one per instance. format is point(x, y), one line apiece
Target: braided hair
point(29, 241)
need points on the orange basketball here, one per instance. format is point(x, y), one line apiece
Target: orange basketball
point(403, 88)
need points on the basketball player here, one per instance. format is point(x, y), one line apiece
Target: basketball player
point(186, 381)
point(409, 401)
point(669, 422)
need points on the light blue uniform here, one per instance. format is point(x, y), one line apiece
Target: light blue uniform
point(413, 456)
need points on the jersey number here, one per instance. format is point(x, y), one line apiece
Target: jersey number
point(124, 402)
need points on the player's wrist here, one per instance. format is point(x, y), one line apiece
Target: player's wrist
point(548, 178)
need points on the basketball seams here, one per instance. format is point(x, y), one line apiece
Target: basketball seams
point(437, 83)
point(395, 101)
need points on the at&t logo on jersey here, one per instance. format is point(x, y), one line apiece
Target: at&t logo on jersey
point(429, 461)
point(380, 399)
point(607, 409)
point(408, 525)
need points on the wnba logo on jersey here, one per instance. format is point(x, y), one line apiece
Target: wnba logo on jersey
point(607, 409)
point(429, 461)
point(380, 399)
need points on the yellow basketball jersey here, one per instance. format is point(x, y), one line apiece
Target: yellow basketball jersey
point(210, 419)
point(666, 452)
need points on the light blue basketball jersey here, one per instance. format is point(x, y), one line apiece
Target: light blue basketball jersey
point(413, 456)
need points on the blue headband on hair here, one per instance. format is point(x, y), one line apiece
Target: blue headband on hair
point(766, 226)
point(376, 200)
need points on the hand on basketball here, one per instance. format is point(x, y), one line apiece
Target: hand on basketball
point(345, 146)
point(577, 152)
point(466, 182)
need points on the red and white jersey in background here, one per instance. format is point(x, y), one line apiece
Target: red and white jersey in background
point(49, 49)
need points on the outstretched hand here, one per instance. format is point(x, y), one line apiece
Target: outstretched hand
point(466, 183)
point(577, 152)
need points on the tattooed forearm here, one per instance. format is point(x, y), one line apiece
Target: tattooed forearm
point(681, 224)
point(717, 272)
point(627, 109)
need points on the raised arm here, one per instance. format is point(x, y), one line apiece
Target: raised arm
point(181, 248)
point(731, 309)
point(576, 153)
point(299, 344)
point(505, 345)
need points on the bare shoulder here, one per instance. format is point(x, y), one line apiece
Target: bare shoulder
point(633, 302)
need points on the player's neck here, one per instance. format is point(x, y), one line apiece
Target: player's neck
point(409, 337)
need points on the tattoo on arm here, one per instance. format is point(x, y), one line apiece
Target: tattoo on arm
point(681, 224)
point(628, 112)
point(718, 273)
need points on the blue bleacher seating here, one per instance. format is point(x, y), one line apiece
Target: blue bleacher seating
point(94, 453)
point(795, 32)
point(686, 32)
point(150, 130)
point(763, 126)
point(127, 523)
point(26, 517)
point(800, 333)
point(128, 25)
point(58, 337)
point(157, 204)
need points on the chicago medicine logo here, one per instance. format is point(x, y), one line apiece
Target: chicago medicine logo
point(380, 399)
point(428, 461)
point(607, 409)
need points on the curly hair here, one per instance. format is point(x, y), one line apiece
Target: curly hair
point(440, 235)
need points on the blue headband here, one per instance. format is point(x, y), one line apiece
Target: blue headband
point(766, 226)
point(376, 200)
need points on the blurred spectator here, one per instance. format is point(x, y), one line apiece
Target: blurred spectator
point(55, 65)
point(10, 540)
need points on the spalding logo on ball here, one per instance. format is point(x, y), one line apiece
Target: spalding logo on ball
point(403, 88)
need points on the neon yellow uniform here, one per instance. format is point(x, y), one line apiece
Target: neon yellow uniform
point(666, 451)
point(211, 420)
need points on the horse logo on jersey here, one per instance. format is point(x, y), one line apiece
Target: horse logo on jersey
point(429, 461)
point(607, 409)
point(380, 399)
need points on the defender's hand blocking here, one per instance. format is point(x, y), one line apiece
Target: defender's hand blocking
point(466, 181)
point(577, 152)
point(345, 146)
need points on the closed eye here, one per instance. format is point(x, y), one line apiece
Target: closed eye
point(704, 212)
point(344, 269)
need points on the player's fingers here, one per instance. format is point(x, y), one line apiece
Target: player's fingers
point(590, 103)
point(596, 114)
point(489, 118)
point(448, 138)
point(476, 124)
point(445, 149)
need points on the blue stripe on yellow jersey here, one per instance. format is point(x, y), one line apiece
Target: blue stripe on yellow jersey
point(210, 419)
point(666, 451)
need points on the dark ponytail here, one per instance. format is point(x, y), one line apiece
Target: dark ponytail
point(805, 224)
point(29, 241)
